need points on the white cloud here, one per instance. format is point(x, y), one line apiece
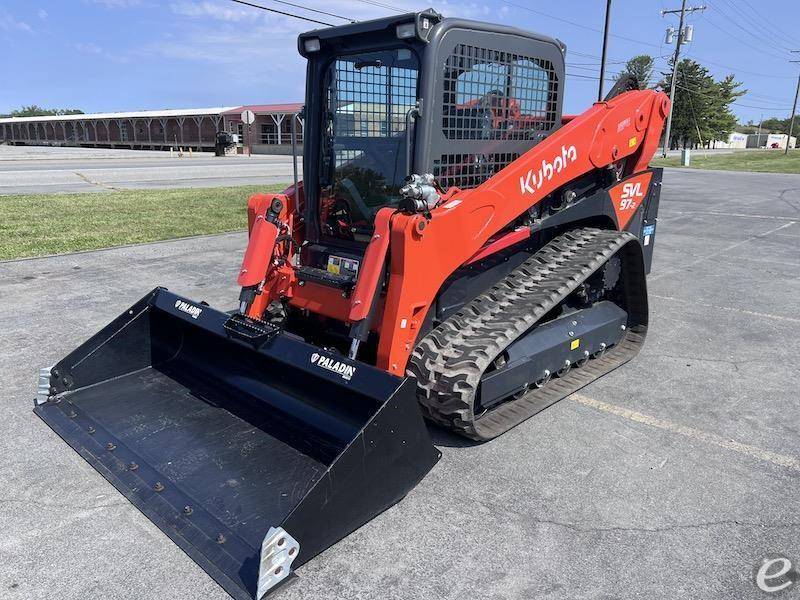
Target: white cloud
point(116, 3)
point(229, 13)
point(247, 47)
point(222, 10)
point(42, 14)
point(9, 23)
point(92, 49)
point(88, 48)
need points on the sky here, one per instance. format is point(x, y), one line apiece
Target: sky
point(113, 55)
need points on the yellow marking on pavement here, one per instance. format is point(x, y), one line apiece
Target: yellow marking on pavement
point(782, 460)
point(97, 183)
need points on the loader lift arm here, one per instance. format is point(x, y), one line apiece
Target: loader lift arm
point(626, 128)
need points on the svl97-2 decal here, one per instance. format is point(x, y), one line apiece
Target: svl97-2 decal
point(628, 195)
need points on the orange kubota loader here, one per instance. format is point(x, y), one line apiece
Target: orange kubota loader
point(458, 249)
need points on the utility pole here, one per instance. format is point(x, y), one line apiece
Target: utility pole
point(758, 135)
point(603, 57)
point(794, 108)
point(683, 10)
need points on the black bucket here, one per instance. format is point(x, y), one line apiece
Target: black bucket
point(252, 450)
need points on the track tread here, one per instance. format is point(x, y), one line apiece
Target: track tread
point(449, 361)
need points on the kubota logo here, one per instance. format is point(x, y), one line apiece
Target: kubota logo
point(631, 193)
point(190, 309)
point(533, 179)
point(335, 366)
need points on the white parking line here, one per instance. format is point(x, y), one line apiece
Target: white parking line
point(718, 252)
point(743, 311)
point(781, 460)
point(684, 213)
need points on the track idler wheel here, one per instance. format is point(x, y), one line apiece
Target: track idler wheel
point(522, 392)
point(544, 379)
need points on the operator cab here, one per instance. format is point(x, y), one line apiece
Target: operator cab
point(369, 100)
point(414, 93)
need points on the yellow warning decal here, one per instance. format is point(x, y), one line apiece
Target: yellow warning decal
point(334, 265)
point(632, 142)
point(573, 345)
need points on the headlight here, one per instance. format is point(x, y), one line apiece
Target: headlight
point(406, 30)
point(311, 45)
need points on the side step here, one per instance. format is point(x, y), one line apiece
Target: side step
point(252, 450)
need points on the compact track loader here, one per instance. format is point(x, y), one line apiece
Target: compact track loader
point(457, 249)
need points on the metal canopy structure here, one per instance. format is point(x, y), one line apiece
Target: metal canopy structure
point(272, 130)
point(147, 129)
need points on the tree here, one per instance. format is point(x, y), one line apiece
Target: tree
point(778, 125)
point(701, 107)
point(721, 121)
point(641, 67)
point(37, 111)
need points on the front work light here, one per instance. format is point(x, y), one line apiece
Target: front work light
point(406, 30)
point(311, 45)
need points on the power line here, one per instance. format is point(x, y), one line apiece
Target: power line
point(753, 73)
point(610, 76)
point(314, 10)
point(587, 55)
point(575, 52)
point(774, 28)
point(575, 24)
point(675, 63)
point(595, 64)
point(775, 103)
point(280, 12)
point(766, 98)
point(768, 39)
point(694, 117)
point(705, 94)
point(775, 108)
point(794, 108)
point(766, 32)
point(383, 5)
point(581, 67)
point(739, 37)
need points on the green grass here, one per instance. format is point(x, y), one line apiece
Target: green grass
point(39, 224)
point(761, 161)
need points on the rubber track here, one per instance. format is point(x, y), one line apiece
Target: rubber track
point(449, 361)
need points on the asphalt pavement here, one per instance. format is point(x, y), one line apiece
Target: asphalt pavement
point(69, 170)
point(671, 477)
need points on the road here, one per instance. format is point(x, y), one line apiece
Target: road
point(671, 477)
point(87, 170)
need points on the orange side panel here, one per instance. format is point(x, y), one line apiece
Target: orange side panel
point(628, 194)
point(320, 299)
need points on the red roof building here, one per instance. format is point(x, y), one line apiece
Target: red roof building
point(271, 133)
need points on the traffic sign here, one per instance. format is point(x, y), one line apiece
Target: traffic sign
point(249, 117)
